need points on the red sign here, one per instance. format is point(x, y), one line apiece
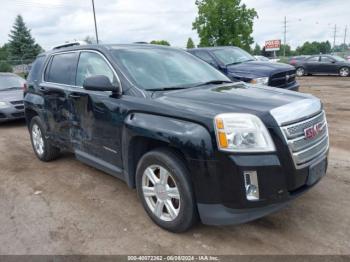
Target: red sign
point(273, 45)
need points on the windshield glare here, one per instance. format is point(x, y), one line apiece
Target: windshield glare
point(9, 82)
point(230, 56)
point(153, 68)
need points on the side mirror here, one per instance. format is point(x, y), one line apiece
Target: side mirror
point(101, 83)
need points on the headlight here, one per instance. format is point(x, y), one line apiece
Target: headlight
point(242, 133)
point(261, 81)
point(4, 105)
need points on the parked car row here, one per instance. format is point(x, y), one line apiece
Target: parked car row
point(321, 64)
point(194, 142)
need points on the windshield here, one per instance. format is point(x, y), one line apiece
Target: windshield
point(339, 59)
point(157, 68)
point(230, 56)
point(8, 82)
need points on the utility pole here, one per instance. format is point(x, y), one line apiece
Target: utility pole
point(93, 9)
point(345, 35)
point(285, 36)
point(335, 36)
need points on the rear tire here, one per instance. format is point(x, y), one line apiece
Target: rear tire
point(164, 188)
point(344, 72)
point(300, 71)
point(42, 145)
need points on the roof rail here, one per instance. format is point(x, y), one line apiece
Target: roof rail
point(69, 44)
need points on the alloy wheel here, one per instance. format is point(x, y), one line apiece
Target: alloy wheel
point(300, 72)
point(38, 140)
point(161, 193)
point(344, 72)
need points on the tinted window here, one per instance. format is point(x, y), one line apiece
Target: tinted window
point(314, 59)
point(157, 68)
point(326, 59)
point(8, 82)
point(205, 56)
point(92, 64)
point(34, 73)
point(62, 69)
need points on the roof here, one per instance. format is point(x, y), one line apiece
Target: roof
point(106, 47)
point(211, 48)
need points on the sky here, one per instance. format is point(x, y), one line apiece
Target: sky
point(54, 22)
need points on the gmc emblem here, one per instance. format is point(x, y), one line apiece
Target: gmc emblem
point(313, 131)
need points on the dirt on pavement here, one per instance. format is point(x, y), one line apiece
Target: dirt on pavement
point(65, 207)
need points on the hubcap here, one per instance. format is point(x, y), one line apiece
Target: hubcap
point(38, 141)
point(344, 71)
point(161, 193)
point(300, 72)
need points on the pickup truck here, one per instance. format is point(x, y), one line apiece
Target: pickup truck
point(195, 145)
point(239, 65)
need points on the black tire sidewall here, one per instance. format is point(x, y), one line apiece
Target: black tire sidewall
point(187, 213)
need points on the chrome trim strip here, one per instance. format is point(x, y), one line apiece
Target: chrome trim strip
point(296, 111)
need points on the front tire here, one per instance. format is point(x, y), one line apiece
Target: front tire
point(300, 71)
point(344, 72)
point(42, 145)
point(164, 188)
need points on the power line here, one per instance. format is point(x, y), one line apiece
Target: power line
point(345, 35)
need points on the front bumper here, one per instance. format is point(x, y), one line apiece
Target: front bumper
point(11, 113)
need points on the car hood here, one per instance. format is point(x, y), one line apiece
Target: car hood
point(11, 95)
point(254, 69)
point(233, 98)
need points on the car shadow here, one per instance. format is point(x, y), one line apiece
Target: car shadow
point(13, 123)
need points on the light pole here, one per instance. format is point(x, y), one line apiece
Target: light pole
point(93, 9)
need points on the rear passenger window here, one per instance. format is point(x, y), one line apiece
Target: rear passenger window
point(93, 64)
point(34, 74)
point(62, 69)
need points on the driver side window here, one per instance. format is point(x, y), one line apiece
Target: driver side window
point(92, 64)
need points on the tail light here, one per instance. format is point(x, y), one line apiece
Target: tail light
point(293, 62)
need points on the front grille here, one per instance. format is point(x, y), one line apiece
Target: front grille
point(305, 150)
point(282, 79)
point(17, 102)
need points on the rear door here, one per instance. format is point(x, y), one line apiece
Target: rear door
point(97, 117)
point(59, 78)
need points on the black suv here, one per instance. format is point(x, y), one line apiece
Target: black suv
point(193, 143)
point(239, 65)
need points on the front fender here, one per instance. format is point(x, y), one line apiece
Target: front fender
point(191, 139)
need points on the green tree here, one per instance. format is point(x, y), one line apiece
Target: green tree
point(190, 43)
point(289, 51)
point(90, 40)
point(224, 22)
point(22, 45)
point(160, 42)
point(4, 52)
point(314, 48)
point(5, 67)
point(257, 50)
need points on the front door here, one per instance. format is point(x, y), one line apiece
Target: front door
point(328, 65)
point(59, 77)
point(97, 118)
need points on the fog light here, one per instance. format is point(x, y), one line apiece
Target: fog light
point(251, 185)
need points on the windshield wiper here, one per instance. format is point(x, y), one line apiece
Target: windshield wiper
point(214, 82)
point(166, 88)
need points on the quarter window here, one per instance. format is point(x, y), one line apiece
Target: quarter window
point(62, 69)
point(92, 64)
